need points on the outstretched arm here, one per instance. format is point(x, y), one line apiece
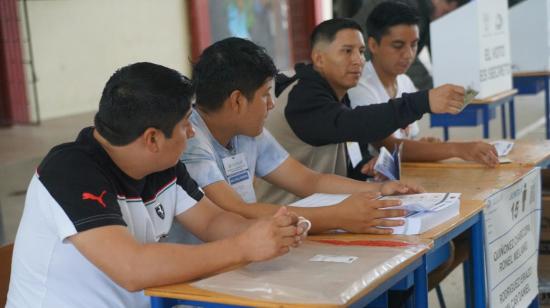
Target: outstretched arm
point(424, 151)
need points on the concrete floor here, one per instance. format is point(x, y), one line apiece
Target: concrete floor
point(22, 148)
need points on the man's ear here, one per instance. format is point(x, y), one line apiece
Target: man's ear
point(317, 57)
point(237, 101)
point(152, 138)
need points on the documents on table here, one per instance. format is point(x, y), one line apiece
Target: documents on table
point(503, 148)
point(424, 211)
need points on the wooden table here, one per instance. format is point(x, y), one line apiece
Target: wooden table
point(480, 111)
point(473, 183)
point(184, 293)
point(525, 153)
point(533, 83)
point(470, 217)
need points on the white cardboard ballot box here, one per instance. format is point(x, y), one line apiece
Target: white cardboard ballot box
point(530, 36)
point(471, 47)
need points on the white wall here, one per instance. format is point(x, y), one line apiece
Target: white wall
point(78, 44)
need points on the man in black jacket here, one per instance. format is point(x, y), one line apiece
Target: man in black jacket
point(312, 118)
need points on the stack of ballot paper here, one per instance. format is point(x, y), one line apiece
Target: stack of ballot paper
point(424, 211)
point(389, 165)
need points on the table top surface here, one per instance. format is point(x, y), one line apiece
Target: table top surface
point(526, 153)
point(483, 183)
point(187, 292)
point(531, 74)
point(472, 183)
point(468, 208)
point(495, 98)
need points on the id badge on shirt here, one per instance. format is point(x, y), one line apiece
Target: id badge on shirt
point(238, 176)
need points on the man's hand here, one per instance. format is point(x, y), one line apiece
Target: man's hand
point(478, 151)
point(368, 168)
point(399, 188)
point(363, 213)
point(446, 99)
point(271, 237)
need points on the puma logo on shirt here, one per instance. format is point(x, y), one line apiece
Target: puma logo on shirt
point(99, 199)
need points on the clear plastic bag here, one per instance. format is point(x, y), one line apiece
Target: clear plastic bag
point(294, 278)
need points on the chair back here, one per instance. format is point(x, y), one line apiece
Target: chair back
point(6, 252)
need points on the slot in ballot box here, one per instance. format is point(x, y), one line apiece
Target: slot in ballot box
point(530, 35)
point(471, 47)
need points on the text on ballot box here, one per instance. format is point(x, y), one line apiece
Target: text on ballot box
point(530, 35)
point(471, 47)
point(512, 229)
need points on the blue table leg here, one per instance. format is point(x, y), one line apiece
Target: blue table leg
point(467, 271)
point(512, 118)
point(547, 105)
point(159, 302)
point(503, 121)
point(446, 133)
point(485, 122)
point(478, 264)
point(381, 301)
point(421, 285)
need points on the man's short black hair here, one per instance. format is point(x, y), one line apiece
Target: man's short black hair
point(140, 96)
point(327, 30)
point(388, 14)
point(228, 65)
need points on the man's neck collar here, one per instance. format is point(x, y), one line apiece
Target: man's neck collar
point(387, 80)
point(122, 157)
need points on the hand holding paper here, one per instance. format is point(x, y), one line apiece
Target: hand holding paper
point(447, 98)
point(469, 96)
point(389, 165)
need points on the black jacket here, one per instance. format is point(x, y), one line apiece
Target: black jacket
point(318, 118)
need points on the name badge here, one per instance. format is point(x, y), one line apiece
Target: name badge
point(238, 176)
point(234, 164)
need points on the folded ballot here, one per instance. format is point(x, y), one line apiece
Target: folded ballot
point(503, 147)
point(469, 96)
point(424, 211)
point(389, 165)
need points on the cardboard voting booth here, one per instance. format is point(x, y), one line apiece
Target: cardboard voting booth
point(471, 47)
point(530, 36)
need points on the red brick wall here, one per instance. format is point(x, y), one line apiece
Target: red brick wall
point(304, 16)
point(13, 97)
